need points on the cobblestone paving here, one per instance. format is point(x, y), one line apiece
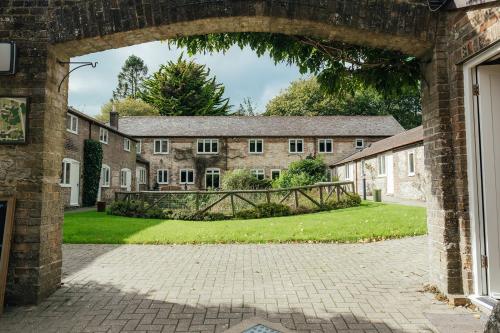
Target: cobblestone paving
point(306, 287)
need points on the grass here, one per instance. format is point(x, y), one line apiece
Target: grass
point(369, 222)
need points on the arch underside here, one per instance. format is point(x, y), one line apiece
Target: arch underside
point(95, 25)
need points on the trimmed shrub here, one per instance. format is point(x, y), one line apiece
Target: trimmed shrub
point(308, 171)
point(247, 214)
point(135, 208)
point(242, 179)
point(345, 201)
point(273, 210)
point(92, 164)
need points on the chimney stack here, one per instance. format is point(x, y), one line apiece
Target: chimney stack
point(113, 118)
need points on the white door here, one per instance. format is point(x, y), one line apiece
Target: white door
point(489, 129)
point(74, 182)
point(126, 179)
point(389, 174)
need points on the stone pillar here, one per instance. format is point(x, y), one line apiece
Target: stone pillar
point(442, 201)
point(31, 171)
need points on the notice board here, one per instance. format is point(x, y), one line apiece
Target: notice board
point(6, 226)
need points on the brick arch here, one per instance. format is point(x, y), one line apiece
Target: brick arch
point(81, 27)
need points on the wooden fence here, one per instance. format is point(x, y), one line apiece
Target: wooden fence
point(230, 202)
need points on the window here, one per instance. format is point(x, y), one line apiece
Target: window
point(381, 165)
point(105, 175)
point(363, 168)
point(212, 178)
point(126, 144)
point(66, 173)
point(348, 171)
point(360, 143)
point(325, 145)
point(162, 176)
point(125, 178)
point(161, 146)
point(186, 176)
point(275, 174)
point(142, 176)
point(296, 146)
point(411, 163)
point(258, 173)
point(208, 146)
point(103, 135)
point(256, 146)
point(138, 146)
point(72, 124)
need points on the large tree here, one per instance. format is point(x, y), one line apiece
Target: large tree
point(130, 79)
point(246, 108)
point(339, 67)
point(305, 97)
point(185, 88)
point(127, 107)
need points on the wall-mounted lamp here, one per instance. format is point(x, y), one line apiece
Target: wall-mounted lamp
point(7, 58)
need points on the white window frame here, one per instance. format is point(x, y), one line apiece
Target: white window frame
point(105, 183)
point(275, 170)
point(187, 182)
point(362, 143)
point(163, 172)
point(126, 171)
point(126, 144)
point(142, 176)
point(379, 171)
point(103, 135)
point(324, 141)
point(161, 152)
point(348, 171)
point(255, 141)
point(212, 171)
point(258, 172)
point(296, 141)
point(204, 141)
point(138, 146)
point(73, 122)
point(65, 177)
point(410, 173)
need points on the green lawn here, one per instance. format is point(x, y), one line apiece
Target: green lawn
point(370, 221)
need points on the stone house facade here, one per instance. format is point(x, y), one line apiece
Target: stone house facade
point(394, 165)
point(118, 164)
point(195, 152)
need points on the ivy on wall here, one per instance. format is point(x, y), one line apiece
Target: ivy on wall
point(92, 164)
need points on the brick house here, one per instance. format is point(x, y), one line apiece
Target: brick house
point(395, 165)
point(119, 165)
point(194, 152)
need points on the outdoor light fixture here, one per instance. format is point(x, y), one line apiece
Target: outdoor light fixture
point(7, 58)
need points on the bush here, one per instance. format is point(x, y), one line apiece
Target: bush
point(189, 216)
point(302, 173)
point(242, 179)
point(134, 208)
point(273, 210)
point(345, 201)
point(247, 214)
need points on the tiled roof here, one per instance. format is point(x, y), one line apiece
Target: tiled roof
point(406, 138)
point(259, 126)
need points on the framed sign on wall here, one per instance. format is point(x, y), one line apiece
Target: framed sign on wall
point(13, 119)
point(6, 227)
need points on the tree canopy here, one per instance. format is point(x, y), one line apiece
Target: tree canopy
point(185, 88)
point(130, 79)
point(127, 107)
point(306, 98)
point(246, 108)
point(340, 68)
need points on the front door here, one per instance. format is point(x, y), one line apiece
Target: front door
point(489, 132)
point(74, 182)
point(389, 174)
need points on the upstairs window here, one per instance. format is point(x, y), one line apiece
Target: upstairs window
point(325, 145)
point(72, 124)
point(161, 146)
point(256, 146)
point(259, 174)
point(296, 146)
point(103, 135)
point(360, 143)
point(162, 176)
point(186, 176)
point(105, 175)
point(126, 144)
point(411, 163)
point(381, 165)
point(208, 146)
point(138, 146)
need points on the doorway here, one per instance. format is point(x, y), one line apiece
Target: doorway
point(71, 179)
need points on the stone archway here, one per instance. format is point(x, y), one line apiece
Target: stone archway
point(56, 30)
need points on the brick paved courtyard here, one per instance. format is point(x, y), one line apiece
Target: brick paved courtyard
point(306, 287)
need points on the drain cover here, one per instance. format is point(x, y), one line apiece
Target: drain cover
point(260, 329)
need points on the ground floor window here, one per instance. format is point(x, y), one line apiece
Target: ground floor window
point(381, 165)
point(259, 174)
point(212, 178)
point(142, 176)
point(411, 163)
point(105, 175)
point(125, 178)
point(186, 176)
point(162, 176)
point(275, 174)
point(66, 173)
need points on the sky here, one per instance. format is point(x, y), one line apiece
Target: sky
point(241, 71)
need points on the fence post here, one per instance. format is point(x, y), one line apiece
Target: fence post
point(268, 197)
point(296, 196)
point(321, 195)
point(197, 202)
point(338, 192)
point(232, 205)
